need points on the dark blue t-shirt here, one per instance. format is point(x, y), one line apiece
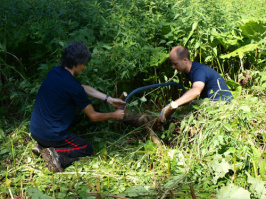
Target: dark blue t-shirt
point(55, 105)
point(215, 87)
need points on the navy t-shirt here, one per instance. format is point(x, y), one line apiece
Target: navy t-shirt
point(215, 87)
point(55, 105)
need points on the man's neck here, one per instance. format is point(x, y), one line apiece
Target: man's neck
point(189, 66)
point(70, 70)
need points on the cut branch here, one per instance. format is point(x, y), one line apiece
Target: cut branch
point(123, 96)
point(149, 122)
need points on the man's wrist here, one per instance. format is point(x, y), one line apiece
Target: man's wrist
point(106, 98)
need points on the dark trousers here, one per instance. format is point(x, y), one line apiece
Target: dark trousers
point(70, 149)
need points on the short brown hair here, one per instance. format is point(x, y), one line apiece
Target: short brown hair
point(182, 52)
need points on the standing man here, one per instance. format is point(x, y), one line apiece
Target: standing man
point(206, 82)
point(54, 110)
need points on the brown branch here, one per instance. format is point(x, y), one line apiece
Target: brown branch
point(153, 136)
point(192, 192)
point(137, 120)
point(106, 195)
point(149, 122)
point(166, 192)
point(172, 187)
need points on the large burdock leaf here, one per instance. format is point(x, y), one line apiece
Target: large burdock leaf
point(254, 28)
point(35, 193)
point(257, 187)
point(137, 192)
point(220, 168)
point(240, 52)
point(232, 192)
point(262, 167)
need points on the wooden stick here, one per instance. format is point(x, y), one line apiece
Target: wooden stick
point(123, 96)
point(168, 111)
point(107, 195)
point(176, 183)
point(154, 138)
point(192, 192)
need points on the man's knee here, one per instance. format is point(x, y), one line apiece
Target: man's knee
point(89, 150)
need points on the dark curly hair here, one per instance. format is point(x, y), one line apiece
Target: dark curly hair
point(74, 54)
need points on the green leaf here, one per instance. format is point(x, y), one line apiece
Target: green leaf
point(191, 117)
point(107, 46)
point(227, 127)
point(197, 45)
point(220, 168)
point(173, 180)
point(240, 52)
point(171, 127)
point(158, 56)
point(262, 167)
point(226, 39)
point(232, 84)
point(182, 125)
point(233, 192)
point(257, 186)
point(4, 151)
point(143, 99)
point(194, 26)
point(254, 28)
point(2, 134)
point(208, 58)
point(134, 103)
point(215, 50)
point(61, 44)
point(36, 194)
point(135, 192)
point(150, 146)
point(245, 109)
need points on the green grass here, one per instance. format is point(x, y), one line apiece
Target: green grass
point(216, 147)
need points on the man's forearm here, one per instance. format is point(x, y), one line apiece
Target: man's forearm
point(94, 93)
point(187, 97)
point(191, 94)
point(98, 117)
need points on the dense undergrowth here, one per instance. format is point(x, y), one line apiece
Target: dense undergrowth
point(211, 150)
point(216, 151)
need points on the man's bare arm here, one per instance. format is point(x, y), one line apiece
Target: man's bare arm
point(98, 117)
point(191, 94)
point(115, 102)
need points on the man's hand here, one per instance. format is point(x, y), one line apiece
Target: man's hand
point(119, 114)
point(116, 102)
point(163, 110)
point(98, 117)
point(167, 111)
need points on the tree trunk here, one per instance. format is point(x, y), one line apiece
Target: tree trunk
point(149, 122)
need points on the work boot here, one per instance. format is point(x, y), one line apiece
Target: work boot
point(37, 149)
point(52, 158)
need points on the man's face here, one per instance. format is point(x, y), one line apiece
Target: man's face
point(178, 64)
point(78, 69)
